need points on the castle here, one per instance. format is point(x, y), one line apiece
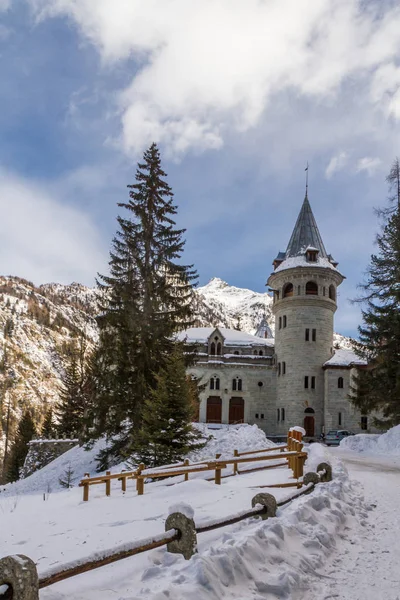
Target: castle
point(298, 377)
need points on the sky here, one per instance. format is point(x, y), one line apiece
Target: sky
point(239, 95)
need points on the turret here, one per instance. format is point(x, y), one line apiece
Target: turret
point(304, 283)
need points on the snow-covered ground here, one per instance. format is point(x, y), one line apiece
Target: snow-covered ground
point(251, 559)
point(366, 561)
point(380, 444)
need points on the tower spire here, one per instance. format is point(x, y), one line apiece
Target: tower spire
point(306, 170)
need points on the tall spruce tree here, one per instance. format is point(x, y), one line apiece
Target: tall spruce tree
point(25, 433)
point(76, 392)
point(167, 434)
point(378, 385)
point(149, 297)
point(48, 430)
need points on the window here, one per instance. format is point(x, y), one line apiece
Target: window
point(311, 288)
point(237, 384)
point(307, 337)
point(306, 382)
point(283, 414)
point(284, 368)
point(256, 415)
point(279, 369)
point(284, 321)
point(262, 415)
point(278, 414)
point(212, 348)
point(288, 290)
point(261, 353)
point(339, 418)
point(260, 384)
point(314, 335)
point(313, 382)
point(217, 383)
point(364, 423)
point(280, 322)
point(236, 352)
point(312, 255)
point(332, 292)
point(214, 383)
point(234, 382)
point(340, 383)
point(219, 347)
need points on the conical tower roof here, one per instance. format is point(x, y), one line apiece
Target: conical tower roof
point(305, 234)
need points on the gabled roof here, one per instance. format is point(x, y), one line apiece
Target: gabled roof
point(345, 358)
point(232, 337)
point(305, 234)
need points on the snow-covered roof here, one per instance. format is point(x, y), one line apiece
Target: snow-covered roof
point(232, 337)
point(301, 261)
point(344, 358)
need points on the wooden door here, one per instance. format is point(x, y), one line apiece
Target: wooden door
point(309, 426)
point(236, 410)
point(214, 409)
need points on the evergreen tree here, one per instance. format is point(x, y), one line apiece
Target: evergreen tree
point(377, 387)
point(48, 429)
point(75, 392)
point(25, 433)
point(149, 297)
point(167, 434)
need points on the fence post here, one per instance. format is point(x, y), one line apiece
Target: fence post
point(123, 482)
point(108, 484)
point(139, 480)
point(218, 474)
point(268, 501)
point(327, 476)
point(235, 465)
point(186, 464)
point(187, 542)
point(20, 575)
point(85, 491)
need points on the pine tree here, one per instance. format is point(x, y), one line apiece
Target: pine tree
point(149, 294)
point(377, 387)
point(167, 433)
point(75, 392)
point(48, 430)
point(25, 433)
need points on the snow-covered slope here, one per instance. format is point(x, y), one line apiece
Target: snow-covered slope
point(224, 305)
point(381, 444)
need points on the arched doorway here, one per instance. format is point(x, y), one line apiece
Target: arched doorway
point(309, 422)
point(214, 409)
point(236, 410)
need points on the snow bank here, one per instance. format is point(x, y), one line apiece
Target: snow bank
point(46, 480)
point(385, 443)
point(229, 438)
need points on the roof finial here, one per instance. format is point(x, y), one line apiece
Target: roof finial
point(306, 170)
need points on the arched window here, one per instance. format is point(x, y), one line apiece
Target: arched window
point(332, 292)
point(340, 383)
point(212, 349)
point(288, 290)
point(219, 348)
point(236, 384)
point(311, 288)
point(255, 352)
point(214, 383)
point(236, 352)
point(261, 353)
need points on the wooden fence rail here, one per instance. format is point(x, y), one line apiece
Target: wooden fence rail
point(18, 574)
point(292, 451)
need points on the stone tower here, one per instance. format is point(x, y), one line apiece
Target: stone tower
point(304, 283)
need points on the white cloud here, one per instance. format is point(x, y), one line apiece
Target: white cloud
point(210, 67)
point(368, 164)
point(5, 4)
point(337, 163)
point(43, 239)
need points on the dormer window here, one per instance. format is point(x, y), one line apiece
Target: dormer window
point(312, 254)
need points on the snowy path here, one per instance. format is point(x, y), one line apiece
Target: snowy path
point(366, 563)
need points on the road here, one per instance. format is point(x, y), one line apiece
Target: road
point(366, 563)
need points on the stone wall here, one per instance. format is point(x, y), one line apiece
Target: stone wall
point(42, 452)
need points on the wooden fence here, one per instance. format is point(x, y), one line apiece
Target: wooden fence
point(291, 453)
point(19, 579)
